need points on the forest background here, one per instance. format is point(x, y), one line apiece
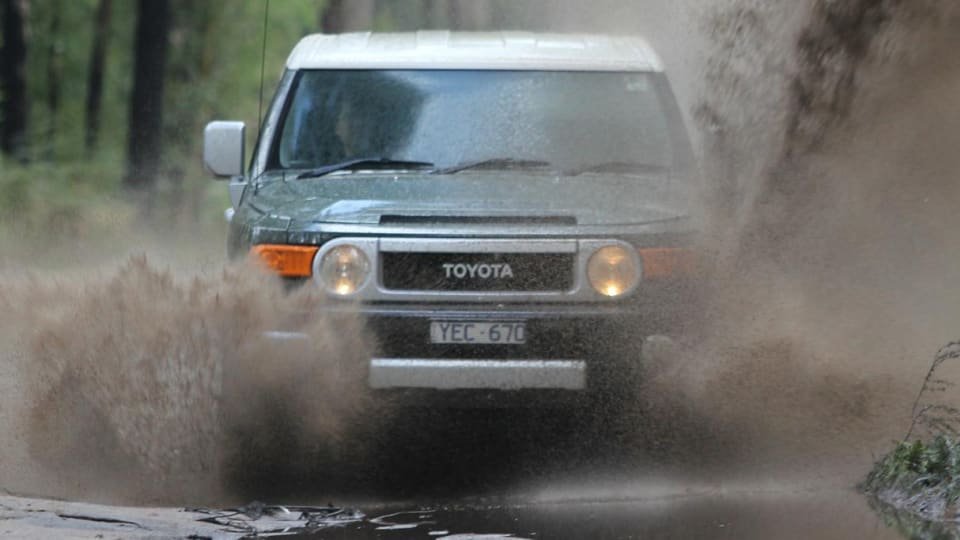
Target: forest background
point(103, 102)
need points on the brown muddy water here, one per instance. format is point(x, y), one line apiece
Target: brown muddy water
point(821, 515)
point(830, 136)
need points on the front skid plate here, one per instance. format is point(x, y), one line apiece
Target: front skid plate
point(449, 374)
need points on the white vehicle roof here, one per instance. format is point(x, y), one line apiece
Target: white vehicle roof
point(474, 50)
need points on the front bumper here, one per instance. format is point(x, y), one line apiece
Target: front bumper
point(570, 349)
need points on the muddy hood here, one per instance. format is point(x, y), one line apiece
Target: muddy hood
point(368, 199)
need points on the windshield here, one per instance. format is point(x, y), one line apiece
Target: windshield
point(570, 120)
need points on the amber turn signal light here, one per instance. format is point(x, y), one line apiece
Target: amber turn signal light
point(287, 261)
point(667, 262)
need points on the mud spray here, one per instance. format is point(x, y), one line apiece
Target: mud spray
point(830, 132)
point(833, 194)
point(140, 385)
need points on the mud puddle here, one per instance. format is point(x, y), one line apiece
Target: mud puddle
point(691, 513)
point(681, 512)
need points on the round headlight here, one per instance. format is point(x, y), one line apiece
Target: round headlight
point(343, 270)
point(612, 271)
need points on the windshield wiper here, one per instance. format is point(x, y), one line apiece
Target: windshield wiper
point(364, 163)
point(495, 163)
point(617, 167)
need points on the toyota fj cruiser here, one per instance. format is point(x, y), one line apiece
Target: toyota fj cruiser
point(509, 211)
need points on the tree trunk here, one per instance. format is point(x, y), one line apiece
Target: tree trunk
point(347, 16)
point(190, 60)
point(145, 138)
point(470, 14)
point(437, 14)
point(54, 79)
point(98, 54)
point(13, 82)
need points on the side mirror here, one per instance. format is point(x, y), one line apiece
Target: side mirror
point(223, 152)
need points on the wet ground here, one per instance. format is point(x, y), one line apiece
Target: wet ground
point(721, 513)
point(745, 515)
point(492, 476)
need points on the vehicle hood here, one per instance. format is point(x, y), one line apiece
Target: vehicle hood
point(366, 198)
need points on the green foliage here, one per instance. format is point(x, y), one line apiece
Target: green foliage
point(213, 68)
point(65, 201)
point(917, 466)
point(51, 212)
point(212, 72)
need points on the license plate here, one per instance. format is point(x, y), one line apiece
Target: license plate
point(478, 332)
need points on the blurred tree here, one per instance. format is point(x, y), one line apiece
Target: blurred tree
point(196, 31)
point(145, 141)
point(98, 55)
point(436, 13)
point(13, 82)
point(407, 15)
point(346, 16)
point(54, 77)
point(470, 14)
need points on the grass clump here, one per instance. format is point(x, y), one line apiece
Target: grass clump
point(924, 474)
point(921, 476)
